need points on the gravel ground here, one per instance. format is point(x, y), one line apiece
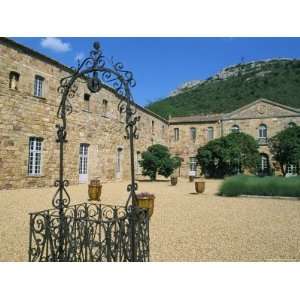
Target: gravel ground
point(184, 227)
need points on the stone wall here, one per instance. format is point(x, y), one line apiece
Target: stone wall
point(185, 147)
point(23, 115)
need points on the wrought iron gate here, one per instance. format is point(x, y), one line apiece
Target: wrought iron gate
point(92, 231)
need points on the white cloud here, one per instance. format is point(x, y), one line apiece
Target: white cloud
point(55, 44)
point(79, 56)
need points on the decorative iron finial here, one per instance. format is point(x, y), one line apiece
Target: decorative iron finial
point(96, 45)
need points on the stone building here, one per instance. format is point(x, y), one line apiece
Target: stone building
point(28, 105)
point(261, 119)
point(96, 145)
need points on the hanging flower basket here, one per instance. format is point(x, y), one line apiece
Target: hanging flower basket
point(146, 200)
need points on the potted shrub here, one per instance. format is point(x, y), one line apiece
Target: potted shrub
point(146, 200)
point(94, 190)
point(174, 180)
point(199, 186)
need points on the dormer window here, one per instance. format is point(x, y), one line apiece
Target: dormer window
point(39, 86)
point(14, 80)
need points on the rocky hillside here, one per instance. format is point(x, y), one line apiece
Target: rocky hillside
point(234, 86)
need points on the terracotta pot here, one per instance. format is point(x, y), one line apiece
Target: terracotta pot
point(200, 186)
point(191, 178)
point(94, 190)
point(174, 180)
point(146, 202)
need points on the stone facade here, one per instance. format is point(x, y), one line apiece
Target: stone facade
point(101, 127)
point(262, 112)
point(97, 123)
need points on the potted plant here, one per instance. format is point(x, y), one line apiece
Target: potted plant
point(199, 186)
point(146, 200)
point(174, 180)
point(94, 190)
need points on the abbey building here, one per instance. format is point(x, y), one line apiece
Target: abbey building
point(96, 145)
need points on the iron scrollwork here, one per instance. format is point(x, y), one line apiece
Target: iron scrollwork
point(90, 232)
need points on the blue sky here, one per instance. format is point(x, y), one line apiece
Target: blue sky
point(162, 64)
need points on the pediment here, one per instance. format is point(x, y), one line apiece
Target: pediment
point(262, 108)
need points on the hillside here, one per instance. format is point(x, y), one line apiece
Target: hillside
point(235, 86)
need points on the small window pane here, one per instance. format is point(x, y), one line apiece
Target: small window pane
point(35, 156)
point(38, 86)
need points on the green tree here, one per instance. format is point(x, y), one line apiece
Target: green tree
point(157, 160)
point(285, 147)
point(228, 155)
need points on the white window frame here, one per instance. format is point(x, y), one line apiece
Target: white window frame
point(193, 132)
point(83, 158)
point(176, 134)
point(39, 86)
point(235, 128)
point(291, 170)
point(262, 131)
point(210, 133)
point(35, 156)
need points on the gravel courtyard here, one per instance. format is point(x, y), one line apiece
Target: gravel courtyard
point(184, 227)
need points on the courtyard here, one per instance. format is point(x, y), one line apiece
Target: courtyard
point(184, 227)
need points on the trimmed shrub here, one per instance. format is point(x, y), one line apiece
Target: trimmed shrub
point(261, 186)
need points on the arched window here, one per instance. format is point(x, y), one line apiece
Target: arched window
point(14, 80)
point(262, 131)
point(264, 165)
point(291, 124)
point(235, 128)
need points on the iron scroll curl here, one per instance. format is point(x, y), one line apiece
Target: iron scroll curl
point(97, 72)
point(89, 231)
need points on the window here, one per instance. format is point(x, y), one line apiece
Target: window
point(14, 80)
point(104, 108)
point(118, 165)
point(176, 134)
point(86, 98)
point(193, 133)
point(292, 124)
point(38, 86)
point(262, 131)
point(138, 159)
point(122, 114)
point(163, 130)
point(210, 133)
point(83, 163)
point(152, 127)
point(264, 163)
point(235, 128)
point(291, 170)
point(193, 164)
point(35, 156)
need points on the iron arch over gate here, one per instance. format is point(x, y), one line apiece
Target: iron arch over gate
point(92, 231)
